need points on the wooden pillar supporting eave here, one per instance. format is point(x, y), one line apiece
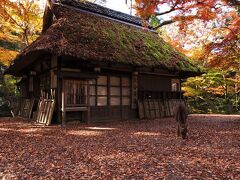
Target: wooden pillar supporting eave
point(59, 91)
point(63, 106)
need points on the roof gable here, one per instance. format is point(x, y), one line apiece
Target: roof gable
point(97, 9)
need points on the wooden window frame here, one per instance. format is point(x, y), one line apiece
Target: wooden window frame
point(115, 86)
point(94, 85)
point(108, 87)
point(102, 85)
point(129, 86)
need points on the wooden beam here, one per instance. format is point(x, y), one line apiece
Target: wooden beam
point(159, 74)
point(63, 106)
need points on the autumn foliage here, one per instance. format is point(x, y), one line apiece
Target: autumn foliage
point(21, 23)
point(221, 17)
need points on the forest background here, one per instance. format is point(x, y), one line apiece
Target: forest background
point(207, 31)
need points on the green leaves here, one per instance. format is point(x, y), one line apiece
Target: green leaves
point(215, 89)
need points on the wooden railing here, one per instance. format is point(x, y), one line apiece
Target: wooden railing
point(158, 108)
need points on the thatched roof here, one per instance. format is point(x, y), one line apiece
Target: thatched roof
point(92, 37)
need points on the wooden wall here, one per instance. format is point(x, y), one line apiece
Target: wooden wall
point(23, 85)
point(112, 113)
point(59, 68)
point(154, 83)
point(145, 81)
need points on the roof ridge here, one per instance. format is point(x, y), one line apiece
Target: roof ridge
point(98, 9)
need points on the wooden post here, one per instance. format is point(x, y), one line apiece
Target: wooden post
point(63, 106)
point(134, 90)
point(180, 87)
point(59, 92)
point(88, 101)
point(121, 99)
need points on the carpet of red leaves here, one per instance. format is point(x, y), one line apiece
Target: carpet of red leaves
point(121, 150)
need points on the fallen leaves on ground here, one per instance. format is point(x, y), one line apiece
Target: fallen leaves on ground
point(146, 149)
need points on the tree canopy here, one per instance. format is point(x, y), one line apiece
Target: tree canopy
point(209, 25)
point(20, 24)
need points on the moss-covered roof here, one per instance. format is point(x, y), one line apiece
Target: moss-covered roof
point(90, 37)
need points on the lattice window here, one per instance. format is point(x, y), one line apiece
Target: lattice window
point(75, 92)
point(115, 90)
point(126, 91)
point(102, 92)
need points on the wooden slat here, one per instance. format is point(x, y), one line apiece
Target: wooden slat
point(26, 108)
point(45, 108)
point(170, 103)
point(141, 110)
point(52, 104)
point(161, 109)
point(166, 108)
point(157, 109)
point(152, 109)
point(146, 109)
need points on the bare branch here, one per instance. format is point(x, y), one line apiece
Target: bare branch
point(170, 10)
point(164, 23)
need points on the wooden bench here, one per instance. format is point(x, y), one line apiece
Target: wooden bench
point(85, 108)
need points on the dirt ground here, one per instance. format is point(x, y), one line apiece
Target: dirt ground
point(146, 149)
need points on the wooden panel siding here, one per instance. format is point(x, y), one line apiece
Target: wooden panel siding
point(26, 108)
point(157, 108)
point(154, 83)
point(111, 113)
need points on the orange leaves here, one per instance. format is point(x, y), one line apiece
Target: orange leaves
point(205, 10)
point(210, 25)
point(206, 14)
point(146, 8)
point(21, 22)
point(6, 56)
point(216, 90)
point(147, 149)
point(21, 17)
point(235, 25)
